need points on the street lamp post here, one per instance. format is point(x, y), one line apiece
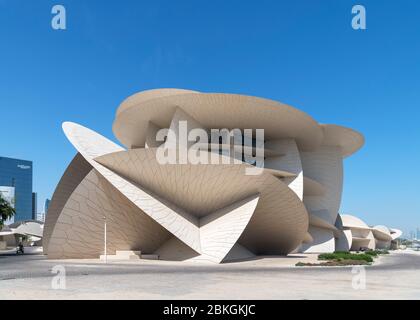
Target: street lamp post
point(105, 240)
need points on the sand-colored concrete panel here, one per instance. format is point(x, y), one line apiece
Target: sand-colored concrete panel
point(146, 95)
point(74, 174)
point(289, 162)
point(92, 145)
point(175, 250)
point(151, 136)
point(324, 166)
point(79, 231)
point(344, 241)
point(220, 209)
point(218, 110)
point(323, 241)
point(220, 230)
point(362, 235)
point(280, 220)
point(348, 140)
point(174, 140)
point(323, 174)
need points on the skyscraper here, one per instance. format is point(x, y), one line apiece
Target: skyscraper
point(16, 177)
point(41, 216)
point(46, 205)
point(34, 205)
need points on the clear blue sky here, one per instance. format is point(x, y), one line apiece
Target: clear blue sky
point(303, 53)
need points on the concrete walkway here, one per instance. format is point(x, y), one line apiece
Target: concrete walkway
point(395, 276)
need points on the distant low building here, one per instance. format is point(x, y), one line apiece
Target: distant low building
point(40, 217)
point(12, 234)
point(359, 235)
point(16, 185)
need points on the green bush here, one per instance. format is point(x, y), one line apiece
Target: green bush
point(339, 255)
point(377, 252)
point(328, 256)
point(334, 263)
point(361, 256)
point(373, 253)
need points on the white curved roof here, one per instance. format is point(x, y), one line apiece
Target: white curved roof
point(27, 227)
point(347, 139)
point(146, 95)
point(395, 233)
point(212, 110)
point(382, 228)
point(350, 221)
point(219, 110)
point(382, 233)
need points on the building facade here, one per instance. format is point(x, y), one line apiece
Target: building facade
point(202, 176)
point(41, 216)
point(360, 236)
point(46, 205)
point(16, 174)
point(34, 205)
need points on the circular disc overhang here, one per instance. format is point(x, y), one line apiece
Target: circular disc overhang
point(347, 139)
point(214, 111)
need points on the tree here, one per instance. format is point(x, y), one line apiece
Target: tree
point(6, 210)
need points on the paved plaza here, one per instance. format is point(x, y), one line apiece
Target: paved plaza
point(395, 276)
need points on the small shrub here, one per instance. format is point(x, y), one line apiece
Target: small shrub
point(377, 252)
point(361, 256)
point(334, 263)
point(373, 253)
point(345, 256)
point(328, 256)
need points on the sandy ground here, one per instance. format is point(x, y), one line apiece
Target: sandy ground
point(395, 276)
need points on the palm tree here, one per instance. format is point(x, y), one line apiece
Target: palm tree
point(6, 210)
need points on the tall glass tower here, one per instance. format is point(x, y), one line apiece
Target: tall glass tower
point(16, 178)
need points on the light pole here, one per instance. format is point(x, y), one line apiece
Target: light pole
point(105, 239)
